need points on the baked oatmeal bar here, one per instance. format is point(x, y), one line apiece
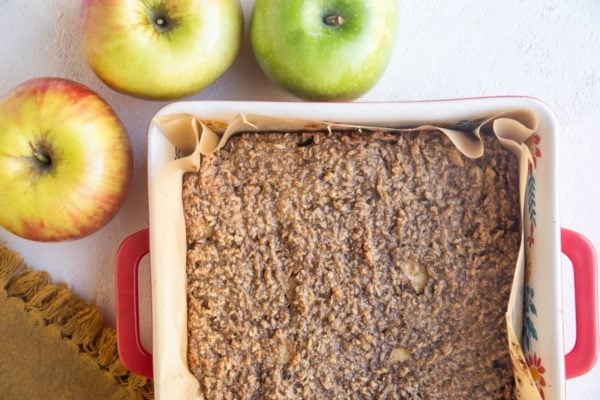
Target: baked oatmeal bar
point(352, 265)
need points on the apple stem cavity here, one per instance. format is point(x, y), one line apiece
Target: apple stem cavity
point(40, 156)
point(334, 20)
point(160, 21)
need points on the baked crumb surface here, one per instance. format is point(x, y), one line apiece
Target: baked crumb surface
point(350, 266)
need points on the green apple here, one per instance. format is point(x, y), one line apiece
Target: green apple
point(65, 160)
point(324, 49)
point(160, 49)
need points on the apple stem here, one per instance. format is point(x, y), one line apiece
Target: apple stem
point(40, 156)
point(334, 20)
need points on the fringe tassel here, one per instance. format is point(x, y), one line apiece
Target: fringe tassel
point(79, 322)
point(106, 345)
point(52, 301)
point(10, 264)
point(61, 307)
point(84, 327)
point(27, 283)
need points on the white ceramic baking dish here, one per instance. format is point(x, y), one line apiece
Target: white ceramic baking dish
point(543, 333)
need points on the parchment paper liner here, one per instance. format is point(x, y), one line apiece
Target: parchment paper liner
point(194, 137)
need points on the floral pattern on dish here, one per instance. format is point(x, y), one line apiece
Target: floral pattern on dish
point(533, 145)
point(529, 311)
point(537, 372)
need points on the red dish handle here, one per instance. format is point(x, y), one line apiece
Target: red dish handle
point(580, 251)
point(133, 355)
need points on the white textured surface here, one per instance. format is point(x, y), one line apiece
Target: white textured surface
point(546, 49)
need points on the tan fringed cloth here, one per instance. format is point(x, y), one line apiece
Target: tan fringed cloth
point(55, 346)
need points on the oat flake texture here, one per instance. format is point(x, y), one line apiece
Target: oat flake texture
point(352, 265)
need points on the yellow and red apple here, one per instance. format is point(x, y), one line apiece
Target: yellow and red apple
point(65, 160)
point(160, 49)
